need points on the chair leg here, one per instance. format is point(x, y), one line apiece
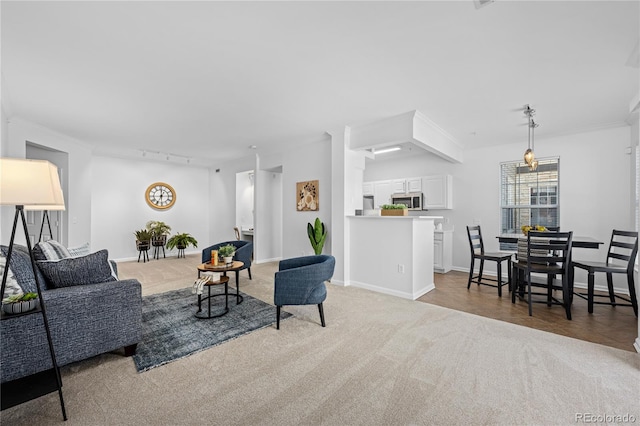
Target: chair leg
point(480, 273)
point(471, 272)
point(590, 284)
point(632, 292)
point(277, 317)
point(499, 279)
point(514, 284)
point(249, 269)
point(509, 273)
point(529, 292)
point(566, 295)
point(321, 314)
point(612, 295)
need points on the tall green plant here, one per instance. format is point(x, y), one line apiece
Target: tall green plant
point(317, 234)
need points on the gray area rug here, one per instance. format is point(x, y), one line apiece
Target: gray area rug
point(170, 330)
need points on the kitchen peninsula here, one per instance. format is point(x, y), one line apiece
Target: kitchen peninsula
point(392, 255)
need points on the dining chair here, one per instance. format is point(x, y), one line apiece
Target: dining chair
point(623, 248)
point(549, 254)
point(477, 252)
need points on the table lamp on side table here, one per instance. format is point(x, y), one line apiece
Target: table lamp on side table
point(32, 184)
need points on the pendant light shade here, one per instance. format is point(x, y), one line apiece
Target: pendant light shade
point(529, 155)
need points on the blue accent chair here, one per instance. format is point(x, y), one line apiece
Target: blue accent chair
point(300, 281)
point(244, 251)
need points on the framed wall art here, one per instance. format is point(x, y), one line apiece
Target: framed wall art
point(307, 196)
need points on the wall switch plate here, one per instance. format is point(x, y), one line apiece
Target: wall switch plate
point(401, 268)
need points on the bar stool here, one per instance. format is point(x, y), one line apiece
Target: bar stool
point(477, 252)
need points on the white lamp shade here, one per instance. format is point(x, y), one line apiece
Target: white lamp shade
point(31, 183)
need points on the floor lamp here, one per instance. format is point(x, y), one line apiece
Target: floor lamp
point(34, 184)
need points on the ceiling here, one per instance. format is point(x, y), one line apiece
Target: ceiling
point(208, 79)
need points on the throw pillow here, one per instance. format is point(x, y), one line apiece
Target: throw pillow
point(22, 268)
point(91, 269)
point(82, 250)
point(12, 288)
point(50, 250)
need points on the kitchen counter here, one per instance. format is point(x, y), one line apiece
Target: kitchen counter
point(392, 254)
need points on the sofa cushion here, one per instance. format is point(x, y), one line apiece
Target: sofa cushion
point(12, 288)
point(91, 269)
point(50, 250)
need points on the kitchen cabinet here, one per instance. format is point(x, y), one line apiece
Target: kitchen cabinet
point(443, 251)
point(398, 186)
point(381, 193)
point(367, 188)
point(438, 192)
point(404, 186)
point(414, 185)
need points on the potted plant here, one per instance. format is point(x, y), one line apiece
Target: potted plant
point(181, 241)
point(394, 210)
point(317, 235)
point(159, 231)
point(143, 238)
point(227, 252)
point(19, 303)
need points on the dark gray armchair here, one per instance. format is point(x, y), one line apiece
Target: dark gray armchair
point(244, 251)
point(300, 281)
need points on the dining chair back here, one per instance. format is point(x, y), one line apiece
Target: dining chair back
point(549, 254)
point(477, 252)
point(621, 256)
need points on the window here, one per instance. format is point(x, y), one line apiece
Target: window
point(528, 197)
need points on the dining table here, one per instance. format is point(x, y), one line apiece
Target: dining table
point(577, 241)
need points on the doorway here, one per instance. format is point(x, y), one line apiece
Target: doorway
point(36, 227)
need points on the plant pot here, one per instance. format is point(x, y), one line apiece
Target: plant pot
point(20, 307)
point(142, 245)
point(394, 212)
point(228, 260)
point(159, 241)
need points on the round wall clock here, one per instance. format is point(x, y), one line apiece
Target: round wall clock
point(160, 195)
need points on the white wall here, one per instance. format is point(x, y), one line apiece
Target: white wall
point(79, 194)
point(119, 207)
point(310, 161)
point(594, 188)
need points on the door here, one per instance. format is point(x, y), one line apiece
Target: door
point(42, 227)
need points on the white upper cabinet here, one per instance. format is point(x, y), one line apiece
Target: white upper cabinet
point(367, 188)
point(414, 185)
point(399, 186)
point(381, 193)
point(438, 192)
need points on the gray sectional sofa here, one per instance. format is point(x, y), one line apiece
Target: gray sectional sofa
point(85, 320)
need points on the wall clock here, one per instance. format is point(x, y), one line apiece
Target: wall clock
point(160, 195)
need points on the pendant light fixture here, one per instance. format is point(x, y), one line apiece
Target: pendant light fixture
point(529, 155)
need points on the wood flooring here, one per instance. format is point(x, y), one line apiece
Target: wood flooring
point(611, 326)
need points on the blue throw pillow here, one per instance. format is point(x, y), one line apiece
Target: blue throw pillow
point(91, 269)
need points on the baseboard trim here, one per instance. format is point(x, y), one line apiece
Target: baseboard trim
point(401, 294)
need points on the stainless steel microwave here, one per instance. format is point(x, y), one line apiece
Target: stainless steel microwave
point(413, 201)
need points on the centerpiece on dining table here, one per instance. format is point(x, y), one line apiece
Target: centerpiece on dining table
point(538, 228)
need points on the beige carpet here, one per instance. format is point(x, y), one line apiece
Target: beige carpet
point(381, 360)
